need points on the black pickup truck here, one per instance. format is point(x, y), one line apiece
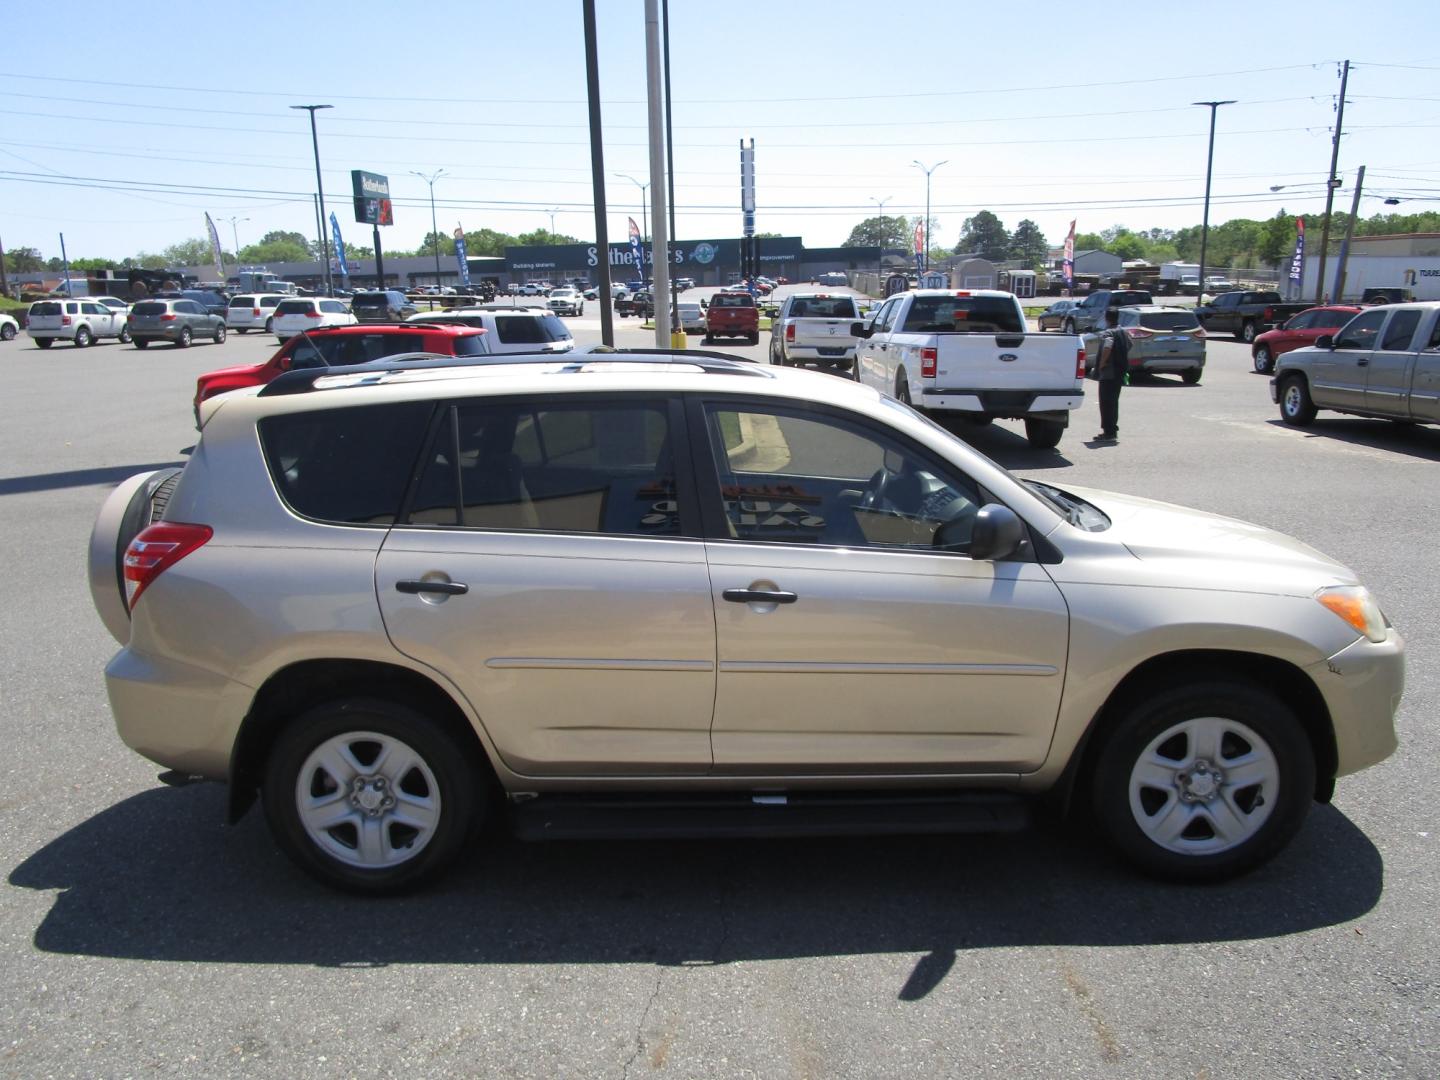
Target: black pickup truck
point(637, 303)
point(1246, 314)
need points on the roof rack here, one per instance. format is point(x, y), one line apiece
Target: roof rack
point(303, 381)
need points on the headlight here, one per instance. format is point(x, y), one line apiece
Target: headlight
point(1356, 606)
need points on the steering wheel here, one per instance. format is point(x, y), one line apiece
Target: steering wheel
point(875, 489)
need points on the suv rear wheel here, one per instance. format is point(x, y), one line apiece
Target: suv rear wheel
point(369, 795)
point(184, 340)
point(83, 337)
point(1204, 781)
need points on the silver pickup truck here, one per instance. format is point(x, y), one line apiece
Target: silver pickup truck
point(1385, 363)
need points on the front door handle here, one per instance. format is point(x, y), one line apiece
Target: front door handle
point(759, 596)
point(1362, 362)
point(444, 588)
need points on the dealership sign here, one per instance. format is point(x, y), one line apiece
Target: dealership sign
point(372, 198)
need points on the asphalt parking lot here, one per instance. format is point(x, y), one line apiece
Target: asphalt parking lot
point(140, 934)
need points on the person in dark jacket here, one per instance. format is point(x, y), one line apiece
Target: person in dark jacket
point(1111, 367)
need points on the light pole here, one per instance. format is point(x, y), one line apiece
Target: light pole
point(1213, 106)
point(320, 193)
point(552, 214)
point(925, 261)
point(880, 205)
point(434, 229)
point(644, 225)
point(236, 231)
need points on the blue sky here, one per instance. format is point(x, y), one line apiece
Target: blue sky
point(1042, 111)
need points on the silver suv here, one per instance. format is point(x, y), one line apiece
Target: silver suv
point(680, 594)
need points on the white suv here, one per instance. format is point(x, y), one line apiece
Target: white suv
point(253, 311)
point(295, 315)
point(684, 595)
point(512, 329)
point(81, 321)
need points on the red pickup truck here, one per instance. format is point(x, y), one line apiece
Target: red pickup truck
point(732, 314)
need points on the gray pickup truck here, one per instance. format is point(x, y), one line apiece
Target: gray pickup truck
point(1385, 363)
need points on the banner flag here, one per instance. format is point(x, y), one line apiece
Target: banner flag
point(215, 248)
point(340, 262)
point(460, 257)
point(635, 249)
point(1070, 257)
point(1297, 261)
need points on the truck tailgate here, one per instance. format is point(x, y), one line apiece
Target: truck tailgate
point(968, 362)
point(823, 333)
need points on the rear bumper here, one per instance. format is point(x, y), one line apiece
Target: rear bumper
point(179, 716)
point(841, 356)
point(157, 334)
point(1010, 404)
point(68, 334)
point(1191, 362)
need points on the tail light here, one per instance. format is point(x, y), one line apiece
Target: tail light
point(157, 548)
point(1080, 362)
point(312, 314)
point(64, 320)
point(790, 333)
point(1198, 332)
point(927, 363)
point(1137, 334)
point(167, 317)
point(1268, 314)
point(255, 313)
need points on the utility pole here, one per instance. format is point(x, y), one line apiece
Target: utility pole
point(880, 260)
point(434, 229)
point(597, 172)
point(1332, 182)
point(236, 232)
point(1349, 235)
point(65, 259)
point(677, 333)
point(654, 94)
point(320, 196)
point(1213, 106)
point(4, 278)
point(925, 258)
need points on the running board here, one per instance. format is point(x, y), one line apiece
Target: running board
point(670, 817)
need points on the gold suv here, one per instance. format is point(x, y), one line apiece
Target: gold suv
point(690, 595)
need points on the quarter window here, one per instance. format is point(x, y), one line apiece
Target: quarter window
point(788, 477)
point(582, 467)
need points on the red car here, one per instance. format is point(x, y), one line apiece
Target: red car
point(345, 346)
point(1303, 329)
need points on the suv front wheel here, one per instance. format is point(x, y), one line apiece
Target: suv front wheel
point(369, 795)
point(1204, 781)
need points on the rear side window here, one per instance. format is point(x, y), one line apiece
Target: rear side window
point(1331, 319)
point(1168, 320)
point(269, 301)
point(347, 466)
point(294, 307)
point(471, 345)
point(575, 467)
point(1129, 299)
point(242, 301)
point(964, 315)
point(149, 307)
point(530, 330)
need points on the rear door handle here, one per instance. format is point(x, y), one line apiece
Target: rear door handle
point(759, 596)
point(1364, 361)
point(444, 588)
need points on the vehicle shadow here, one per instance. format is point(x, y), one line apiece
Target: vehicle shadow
point(109, 474)
point(1416, 440)
point(158, 877)
point(1010, 448)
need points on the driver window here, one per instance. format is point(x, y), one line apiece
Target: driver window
point(808, 478)
point(1359, 332)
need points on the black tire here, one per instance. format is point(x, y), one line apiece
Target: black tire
point(83, 337)
point(1069, 326)
point(1296, 408)
point(142, 343)
point(1043, 434)
point(1191, 377)
point(457, 787)
point(125, 334)
point(183, 342)
point(44, 342)
point(1264, 817)
point(1262, 360)
point(270, 325)
point(902, 390)
point(1247, 333)
point(7, 332)
point(220, 334)
point(707, 340)
point(242, 329)
point(754, 339)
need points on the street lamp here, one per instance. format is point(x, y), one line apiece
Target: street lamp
point(236, 231)
point(925, 262)
point(644, 224)
point(552, 214)
point(1209, 164)
point(320, 192)
point(434, 229)
point(880, 205)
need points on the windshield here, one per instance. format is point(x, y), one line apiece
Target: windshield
point(963, 315)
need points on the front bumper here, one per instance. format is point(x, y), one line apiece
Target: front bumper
point(1362, 685)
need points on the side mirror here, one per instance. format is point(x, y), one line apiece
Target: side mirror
point(1325, 341)
point(996, 534)
point(861, 330)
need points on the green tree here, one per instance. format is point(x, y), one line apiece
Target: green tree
point(543, 238)
point(195, 252)
point(880, 231)
point(1126, 245)
point(984, 235)
point(1277, 239)
point(276, 251)
point(488, 242)
point(24, 260)
point(1028, 246)
point(442, 242)
point(1089, 241)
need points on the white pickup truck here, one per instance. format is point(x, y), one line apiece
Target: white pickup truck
point(964, 355)
point(815, 328)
